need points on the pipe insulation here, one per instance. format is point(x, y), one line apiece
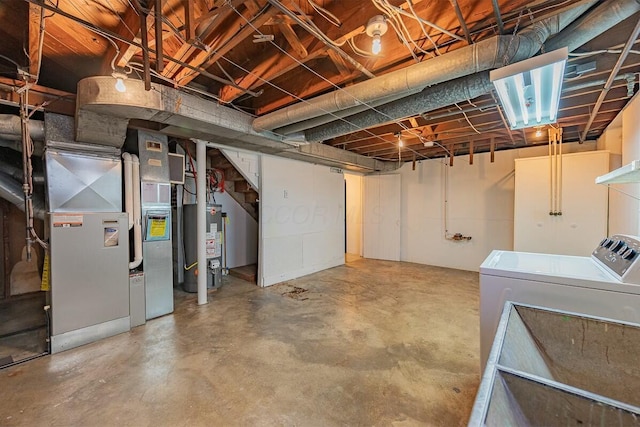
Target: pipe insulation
point(488, 54)
point(10, 128)
point(12, 191)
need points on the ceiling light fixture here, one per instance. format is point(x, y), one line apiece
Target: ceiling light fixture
point(529, 90)
point(539, 131)
point(376, 27)
point(120, 78)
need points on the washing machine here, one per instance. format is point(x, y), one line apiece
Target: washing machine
point(606, 284)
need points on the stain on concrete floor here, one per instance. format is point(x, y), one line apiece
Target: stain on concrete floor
point(374, 343)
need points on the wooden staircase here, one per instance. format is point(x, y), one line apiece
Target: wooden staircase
point(235, 184)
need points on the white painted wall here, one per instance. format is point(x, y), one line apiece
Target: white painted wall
point(302, 219)
point(583, 222)
point(480, 204)
point(624, 209)
point(354, 213)
point(381, 216)
point(242, 233)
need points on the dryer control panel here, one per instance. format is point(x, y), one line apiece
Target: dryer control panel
point(620, 255)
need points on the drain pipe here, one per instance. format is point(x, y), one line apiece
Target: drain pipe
point(201, 218)
point(610, 80)
point(133, 204)
point(128, 188)
point(484, 55)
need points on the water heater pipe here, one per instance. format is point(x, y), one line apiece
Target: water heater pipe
point(128, 189)
point(137, 211)
point(201, 218)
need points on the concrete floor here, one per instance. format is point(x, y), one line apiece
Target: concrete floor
point(367, 343)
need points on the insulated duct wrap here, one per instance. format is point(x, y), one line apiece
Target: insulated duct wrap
point(429, 99)
point(11, 191)
point(484, 55)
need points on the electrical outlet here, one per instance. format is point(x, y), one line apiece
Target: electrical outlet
point(286, 194)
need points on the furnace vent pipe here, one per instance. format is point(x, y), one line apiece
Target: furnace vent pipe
point(12, 191)
point(10, 128)
point(132, 204)
point(128, 189)
point(137, 226)
point(485, 55)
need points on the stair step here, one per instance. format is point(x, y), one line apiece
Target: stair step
point(242, 186)
point(251, 197)
point(246, 272)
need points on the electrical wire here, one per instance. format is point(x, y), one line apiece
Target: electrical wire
point(467, 118)
point(360, 102)
point(325, 14)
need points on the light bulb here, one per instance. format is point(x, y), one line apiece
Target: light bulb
point(120, 87)
point(400, 143)
point(538, 133)
point(376, 46)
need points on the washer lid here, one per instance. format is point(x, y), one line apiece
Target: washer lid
point(562, 269)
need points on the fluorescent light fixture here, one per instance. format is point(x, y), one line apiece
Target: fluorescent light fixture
point(529, 90)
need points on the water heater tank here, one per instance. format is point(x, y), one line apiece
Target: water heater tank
point(214, 248)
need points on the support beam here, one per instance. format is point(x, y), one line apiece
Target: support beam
point(190, 21)
point(496, 12)
point(203, 36)
point(492, 148)
point(146, 71)
point(36, 31)
point(463, 23)
point(158, 31)
point(274, 66)
point(230, 40)
point(128, 28)
point(471, 152)
point(611, 79)
point(339, 63)
point(201, 219)
point(292, 38)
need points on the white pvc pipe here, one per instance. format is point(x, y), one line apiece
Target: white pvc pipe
point(128, 190)
point(201, 219)
point(550, 174)
point(137, 227)
point(560, 171)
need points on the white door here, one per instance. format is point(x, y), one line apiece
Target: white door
point(381, 217)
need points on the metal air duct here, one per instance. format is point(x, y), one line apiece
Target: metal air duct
point(485, 55)
point(471, 86)
point(11, 191)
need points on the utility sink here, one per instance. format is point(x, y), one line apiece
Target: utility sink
point(549, 367)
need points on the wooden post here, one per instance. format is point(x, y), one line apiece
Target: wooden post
point(159, 55)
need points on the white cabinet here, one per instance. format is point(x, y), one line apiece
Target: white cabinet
point(583, 222)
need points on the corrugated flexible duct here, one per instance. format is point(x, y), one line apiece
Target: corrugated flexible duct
point(485, 55)
point(595, 23)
